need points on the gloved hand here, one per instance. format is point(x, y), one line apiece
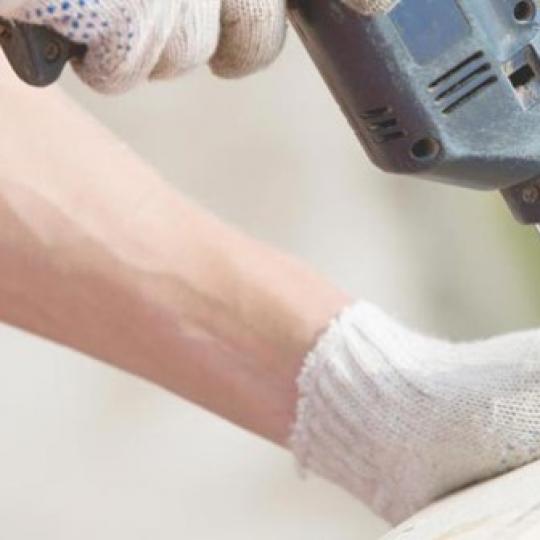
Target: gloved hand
point(133, 40)
point(400, 419)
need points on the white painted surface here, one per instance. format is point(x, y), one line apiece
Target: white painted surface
point(86, 452)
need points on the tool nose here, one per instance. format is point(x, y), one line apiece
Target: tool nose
point(37, 54)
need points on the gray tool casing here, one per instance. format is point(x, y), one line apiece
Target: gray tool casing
point(448, 89)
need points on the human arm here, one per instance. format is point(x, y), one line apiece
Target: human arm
point(402, 451)
point(102, 255)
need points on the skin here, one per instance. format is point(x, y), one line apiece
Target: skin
point(103, 256)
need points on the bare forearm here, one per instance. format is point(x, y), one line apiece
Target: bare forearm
point(98, 253)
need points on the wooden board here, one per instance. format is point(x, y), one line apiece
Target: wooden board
point(506, 508)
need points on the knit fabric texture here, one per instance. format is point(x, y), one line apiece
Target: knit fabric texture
point(129, 42)
point(371, 7)
point(400, 419)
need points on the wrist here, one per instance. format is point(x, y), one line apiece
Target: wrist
point(201, 297)
point(228, 295)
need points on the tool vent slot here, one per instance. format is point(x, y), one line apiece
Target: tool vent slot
point(456, 69)
point(382, 125)
point(463, 82)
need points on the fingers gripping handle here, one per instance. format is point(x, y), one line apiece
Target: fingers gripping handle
point(37, 54)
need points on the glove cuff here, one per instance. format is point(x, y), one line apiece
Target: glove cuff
point(334, 392)
point(339, 423)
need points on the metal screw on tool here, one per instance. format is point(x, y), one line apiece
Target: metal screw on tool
point(530, 195)
point(52, 51)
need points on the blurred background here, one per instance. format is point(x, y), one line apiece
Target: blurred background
point(87, 452)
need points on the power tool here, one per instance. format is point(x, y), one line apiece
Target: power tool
point(448, 90)
point(37, 54)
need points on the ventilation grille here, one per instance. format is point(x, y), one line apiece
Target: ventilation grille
point(463, 82)
point(382, 124)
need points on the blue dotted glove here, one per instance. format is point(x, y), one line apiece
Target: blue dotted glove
point(130, 41)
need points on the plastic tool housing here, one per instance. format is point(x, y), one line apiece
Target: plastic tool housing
point(37, 54)
point(446, 89)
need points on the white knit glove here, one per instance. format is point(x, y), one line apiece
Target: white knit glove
point(400, 419)
point(133, 40)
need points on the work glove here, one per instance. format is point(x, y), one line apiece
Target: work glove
point(370, 7)
point(400, 419)
point(133, 40)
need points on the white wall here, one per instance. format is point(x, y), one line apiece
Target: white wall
point(87, 452)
